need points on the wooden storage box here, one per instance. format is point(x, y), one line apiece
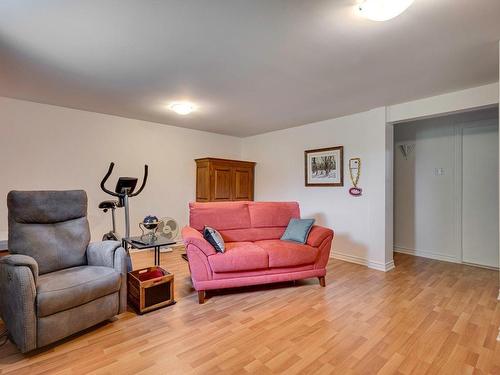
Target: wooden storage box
point(150, 288)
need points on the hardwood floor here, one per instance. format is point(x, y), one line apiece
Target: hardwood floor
point(424, 317)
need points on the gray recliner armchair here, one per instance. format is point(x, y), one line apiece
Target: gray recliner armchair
point(55, 283)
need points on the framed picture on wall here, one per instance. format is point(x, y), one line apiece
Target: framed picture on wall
point(324, 166)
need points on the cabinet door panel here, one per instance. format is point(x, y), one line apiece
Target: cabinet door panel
point(221, 183)
point(203, 183)
point(242, 184)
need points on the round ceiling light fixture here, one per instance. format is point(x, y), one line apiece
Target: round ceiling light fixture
point(182, 108)
point(383, 10)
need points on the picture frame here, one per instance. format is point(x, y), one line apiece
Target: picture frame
point(324, 166)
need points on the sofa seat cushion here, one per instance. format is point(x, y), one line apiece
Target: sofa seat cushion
point(71, 287)
point(288, 254)
point(239, 256)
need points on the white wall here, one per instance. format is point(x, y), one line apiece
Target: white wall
point(49, 147)
point(389, 191)
point(427, 206)
point(359, 222)
point(35, 137)
point(458, 101)
point(364, 225)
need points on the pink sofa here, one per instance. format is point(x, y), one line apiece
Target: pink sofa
point(254, 252)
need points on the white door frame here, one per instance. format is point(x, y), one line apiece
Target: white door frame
point(457, 191)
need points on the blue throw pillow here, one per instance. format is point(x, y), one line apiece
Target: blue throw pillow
point(298, 230)
point(214, 238)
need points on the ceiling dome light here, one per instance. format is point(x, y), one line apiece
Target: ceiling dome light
point(383, 10)
point(182, 108)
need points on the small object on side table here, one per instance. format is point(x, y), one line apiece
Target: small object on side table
point(150, 288)
point(141, 244)
point(148, 227)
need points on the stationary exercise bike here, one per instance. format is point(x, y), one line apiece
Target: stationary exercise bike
point(123, 191)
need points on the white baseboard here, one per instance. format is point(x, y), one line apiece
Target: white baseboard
point(426, 254)
point(379, 266)
point(3, 245)
point(389, 266)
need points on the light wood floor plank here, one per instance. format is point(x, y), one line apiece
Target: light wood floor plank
point(424, 317)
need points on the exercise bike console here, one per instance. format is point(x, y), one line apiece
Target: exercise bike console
point(126, 184)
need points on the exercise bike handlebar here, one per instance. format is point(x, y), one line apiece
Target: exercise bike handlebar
point(144, 179)
point(103, 182)
point(118, 195)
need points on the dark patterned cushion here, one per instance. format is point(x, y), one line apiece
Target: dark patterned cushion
point(214, 238)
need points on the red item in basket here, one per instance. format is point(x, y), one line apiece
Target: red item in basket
point(150, 274)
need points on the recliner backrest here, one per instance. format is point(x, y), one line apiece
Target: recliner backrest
point(50, 226)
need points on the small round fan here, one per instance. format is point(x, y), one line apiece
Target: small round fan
point(168, 228)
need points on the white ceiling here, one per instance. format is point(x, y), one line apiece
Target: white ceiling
point(252, 66)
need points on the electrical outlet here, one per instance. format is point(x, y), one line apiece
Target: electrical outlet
point(438, 171)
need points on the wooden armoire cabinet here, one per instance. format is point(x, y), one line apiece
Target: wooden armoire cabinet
point(219, 180)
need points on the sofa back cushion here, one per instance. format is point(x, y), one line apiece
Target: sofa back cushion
point(272, 214)
point(244, 221)
point(219, 215)
point(50, 226)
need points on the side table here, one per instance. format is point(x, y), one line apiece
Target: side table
point(140, 244)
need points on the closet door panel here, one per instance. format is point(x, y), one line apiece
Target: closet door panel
point(480, 196)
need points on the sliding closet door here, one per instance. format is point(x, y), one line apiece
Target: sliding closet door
point(480, 195)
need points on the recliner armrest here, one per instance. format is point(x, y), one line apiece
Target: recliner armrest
point(18, 277)
point(19, 260)
point(191, 236)
point(111, 254)
point(102, 253)
point(317, 235)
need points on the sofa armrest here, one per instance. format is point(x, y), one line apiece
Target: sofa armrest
point(317, 235)
point(191, 236)
point(18, 276)
point(321, 238)
point(198, 249)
